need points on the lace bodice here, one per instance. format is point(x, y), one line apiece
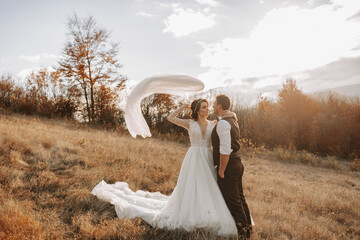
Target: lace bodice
point(195, 134)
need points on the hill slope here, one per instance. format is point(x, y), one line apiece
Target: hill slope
point(48, 168)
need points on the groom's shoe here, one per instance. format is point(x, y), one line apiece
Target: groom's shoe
point(248, 231)
point(243, 232)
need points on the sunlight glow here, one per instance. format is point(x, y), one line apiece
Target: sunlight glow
point(287, 40)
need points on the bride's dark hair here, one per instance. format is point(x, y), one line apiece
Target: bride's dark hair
point(195, 106)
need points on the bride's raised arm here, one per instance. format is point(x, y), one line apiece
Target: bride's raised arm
point(185, 123)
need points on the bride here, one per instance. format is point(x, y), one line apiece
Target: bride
point(196, 202)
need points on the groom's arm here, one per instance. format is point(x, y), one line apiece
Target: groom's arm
point(224, 160)
point(223, 130)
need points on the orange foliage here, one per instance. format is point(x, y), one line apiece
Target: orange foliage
point(330, 127)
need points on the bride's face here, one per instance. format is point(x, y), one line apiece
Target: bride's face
point(204, 109)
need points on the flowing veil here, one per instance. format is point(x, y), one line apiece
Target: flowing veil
point(166, 84)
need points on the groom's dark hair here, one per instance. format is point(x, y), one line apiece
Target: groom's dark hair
point(224, 101)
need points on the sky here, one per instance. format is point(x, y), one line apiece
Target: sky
point(253, 45)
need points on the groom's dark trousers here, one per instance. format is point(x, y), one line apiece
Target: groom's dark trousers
point(231, 185)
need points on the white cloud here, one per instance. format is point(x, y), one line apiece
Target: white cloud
point(288, 40)
point(183, 22)
point(38, 58)
point(25, 72)
point(310, 2)
point(4, 60)
point(211, 3)
point(168, 5)
point(144, 14)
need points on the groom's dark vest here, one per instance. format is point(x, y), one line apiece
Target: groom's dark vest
point(235, 136)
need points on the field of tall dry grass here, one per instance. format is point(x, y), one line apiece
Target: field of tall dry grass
point(49, 167)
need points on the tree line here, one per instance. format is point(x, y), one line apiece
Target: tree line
point(329, 126)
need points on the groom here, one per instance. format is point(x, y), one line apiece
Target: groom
point(228, 164)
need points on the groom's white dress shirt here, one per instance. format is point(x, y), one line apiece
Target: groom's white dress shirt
point(223, 130)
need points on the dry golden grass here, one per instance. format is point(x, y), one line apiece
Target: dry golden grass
point(48, 168)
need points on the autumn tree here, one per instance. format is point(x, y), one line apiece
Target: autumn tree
point(265, 122)
point(90, 60)
point(106, 110)
point(46, 95)
point(297, 112)
point(244, 114)
point(42, 84)
point(337, 127)
point(7, 86)
point(155, 109)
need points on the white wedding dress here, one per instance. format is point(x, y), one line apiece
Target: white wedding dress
point(195, 203)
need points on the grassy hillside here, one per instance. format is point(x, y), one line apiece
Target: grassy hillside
point(48, 168)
